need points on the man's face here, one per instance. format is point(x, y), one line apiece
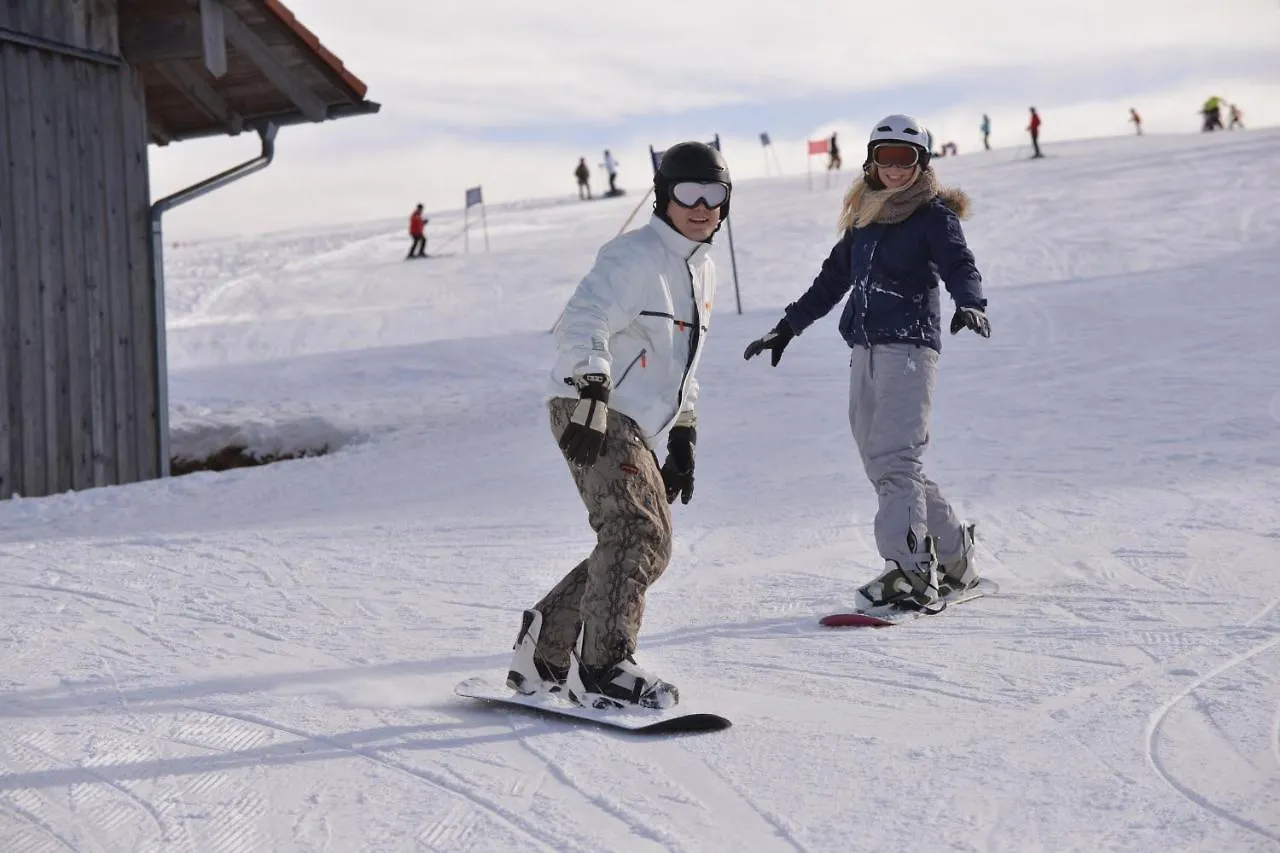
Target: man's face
point(696, 223)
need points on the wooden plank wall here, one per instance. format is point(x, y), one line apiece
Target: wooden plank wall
point(78, 381)
point(85, 24)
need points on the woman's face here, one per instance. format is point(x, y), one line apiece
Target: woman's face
point(895, 164)
point(895, 177)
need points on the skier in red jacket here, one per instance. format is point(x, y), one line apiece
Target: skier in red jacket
point(418, 249)
point(1034, 129)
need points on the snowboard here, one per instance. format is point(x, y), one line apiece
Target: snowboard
point(896, 616)
point(641, 721)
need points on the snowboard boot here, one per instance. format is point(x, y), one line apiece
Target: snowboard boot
point(912, 586)
point(956, 572)
point(528, 673)
point(620, 685)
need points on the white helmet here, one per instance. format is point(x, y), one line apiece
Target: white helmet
point(902, 129)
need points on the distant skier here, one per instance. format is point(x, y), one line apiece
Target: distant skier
point(583, 174)
point(1136, 119)
point(1212, 112)
point(611, 166)
point(986, 132)
point(900, 231)
point(629, 343)
point(833, 153)
point(1034, 129)
point(1237, 117)
point(417, 224)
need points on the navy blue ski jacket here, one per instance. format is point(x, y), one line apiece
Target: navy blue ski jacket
point(893, 271)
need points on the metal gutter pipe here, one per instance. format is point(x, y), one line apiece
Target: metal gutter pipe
point(267, 132)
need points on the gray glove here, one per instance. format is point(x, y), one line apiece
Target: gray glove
point(971, 318)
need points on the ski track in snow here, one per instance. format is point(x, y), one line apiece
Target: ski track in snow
point(1153, 741)
point(264, 659)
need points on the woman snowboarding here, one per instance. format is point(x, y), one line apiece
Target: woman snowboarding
point(899, 232)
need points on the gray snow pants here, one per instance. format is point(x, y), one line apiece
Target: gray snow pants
point(627, 507)
point(890, 398)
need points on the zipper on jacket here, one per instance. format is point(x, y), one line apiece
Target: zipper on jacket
point(644, 362)
point(694, 336)
point(679, 324)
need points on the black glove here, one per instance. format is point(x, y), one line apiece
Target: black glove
point(776, 341)
point(583, 439)
point(677, 471)
point(971, 318)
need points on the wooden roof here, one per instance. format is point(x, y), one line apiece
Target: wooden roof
point(276, 70)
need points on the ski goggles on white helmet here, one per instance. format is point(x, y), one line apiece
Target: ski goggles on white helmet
point(689, 193)
point(895, 155)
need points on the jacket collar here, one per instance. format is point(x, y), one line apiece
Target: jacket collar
point(676, 243)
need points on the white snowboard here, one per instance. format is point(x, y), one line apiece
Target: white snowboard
point(642, 721)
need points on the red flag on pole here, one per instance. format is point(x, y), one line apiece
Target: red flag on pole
point(820, 146)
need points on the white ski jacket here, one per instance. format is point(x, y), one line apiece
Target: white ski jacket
point(640, 317)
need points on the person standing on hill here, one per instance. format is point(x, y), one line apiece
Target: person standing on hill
point(1136, 119)
point(1237, 117)
point(900, 231)
point(1034, 129)
point(417, 224)
point(833, 153)
point(986, 132)
point(629, 342)
point(583, 174)
point(1212, 112)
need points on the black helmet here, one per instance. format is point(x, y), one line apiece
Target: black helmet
point(689, 161)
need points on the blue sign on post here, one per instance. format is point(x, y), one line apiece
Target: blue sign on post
point(474, 197)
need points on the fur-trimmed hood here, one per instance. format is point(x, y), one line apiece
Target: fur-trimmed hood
point(957, 200)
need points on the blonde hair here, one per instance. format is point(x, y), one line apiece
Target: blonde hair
point(862, 204)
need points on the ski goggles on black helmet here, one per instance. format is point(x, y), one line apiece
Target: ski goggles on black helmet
point(893, 154)
point(690, 193)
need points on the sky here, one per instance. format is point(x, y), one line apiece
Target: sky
point(508, 95)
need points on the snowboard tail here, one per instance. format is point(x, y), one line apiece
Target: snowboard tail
point(884, 617)
point(639, 721)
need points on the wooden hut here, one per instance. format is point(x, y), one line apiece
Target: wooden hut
point(85, 86)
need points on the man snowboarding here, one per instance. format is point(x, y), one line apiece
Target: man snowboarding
point(583, 174)
point(833, 153)
point(629, 344)
point(1136, 119)
point(417, 222)
point(611, 166)
point(1034, 129)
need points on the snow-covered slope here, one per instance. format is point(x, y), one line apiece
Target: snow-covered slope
point(263, 660)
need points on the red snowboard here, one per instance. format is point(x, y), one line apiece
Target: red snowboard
point(885, 618)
